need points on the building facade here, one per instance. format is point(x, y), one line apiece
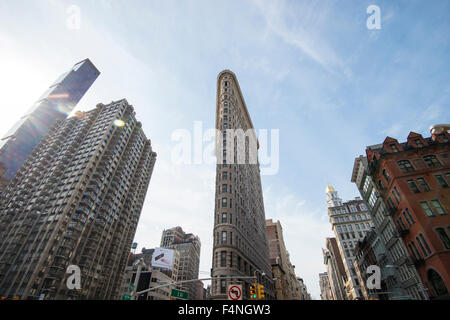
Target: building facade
point(286, 284)
point(398, 274)
point(54, 105)
point(325, 289)
point(303, 290)
point(240, 243)
point(76, 201)
point(200, 291)
point(350, 222)
point(335, 269)
point(412, 178)
point(188, 245)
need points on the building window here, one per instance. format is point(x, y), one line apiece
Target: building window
point(419, 143)
point(224, 237)
point(223, 258)
point(224, 176)
point(393, 147)
point(408, 216)
point(405, 166)
point(381, 185)
point(414, 251)
point(441, 181)
point(426, 208)
point(224, 188)
point(386, 175)
point(432, 161)
point(412, 185)
point(224, 217)
point(395, 196)
point(437, 205)
point(373, 197)
point(224, 202)
point(398, 193)
point(366, 184)
point(423, 244)
point(444, 237)
point(400, 224)
point(423, 184)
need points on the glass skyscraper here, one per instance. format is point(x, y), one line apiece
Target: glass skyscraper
point(55, 104)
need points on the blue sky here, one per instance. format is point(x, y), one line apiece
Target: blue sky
point(311, 69)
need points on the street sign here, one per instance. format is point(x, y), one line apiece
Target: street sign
point(179, 294)
point(131, 287)
point(234, 292)
point(126, 297)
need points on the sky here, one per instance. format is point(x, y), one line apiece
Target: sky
point(311, 69)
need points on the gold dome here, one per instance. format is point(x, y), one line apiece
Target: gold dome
point(329, 189)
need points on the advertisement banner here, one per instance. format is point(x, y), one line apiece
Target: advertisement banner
point(163, 258)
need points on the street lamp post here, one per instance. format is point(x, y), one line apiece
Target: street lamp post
point(140, 263)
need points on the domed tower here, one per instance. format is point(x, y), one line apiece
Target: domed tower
point(333, 199)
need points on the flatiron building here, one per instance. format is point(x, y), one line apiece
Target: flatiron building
point(240, 240)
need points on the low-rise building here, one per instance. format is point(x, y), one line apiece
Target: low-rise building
point(413, 179)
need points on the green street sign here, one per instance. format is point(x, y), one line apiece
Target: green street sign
point(131, 287)
point(126, 297)
point(179, 294)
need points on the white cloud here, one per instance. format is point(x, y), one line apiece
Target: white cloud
point(302, 36)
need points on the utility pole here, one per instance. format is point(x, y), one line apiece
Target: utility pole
point(140, 263)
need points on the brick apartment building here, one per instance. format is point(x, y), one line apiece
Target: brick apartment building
point(413, 179)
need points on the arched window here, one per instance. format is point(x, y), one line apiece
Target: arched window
point(437, 283)
point(444, 237)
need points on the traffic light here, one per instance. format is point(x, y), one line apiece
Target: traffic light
point(261, 291)
point(253, 295)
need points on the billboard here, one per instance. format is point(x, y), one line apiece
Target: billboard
point(162, 258)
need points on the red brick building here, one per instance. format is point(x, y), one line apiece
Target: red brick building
point(413, 179)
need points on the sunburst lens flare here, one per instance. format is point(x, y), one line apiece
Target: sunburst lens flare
point(63, 109)
point(58, 96)
point(119, 123)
